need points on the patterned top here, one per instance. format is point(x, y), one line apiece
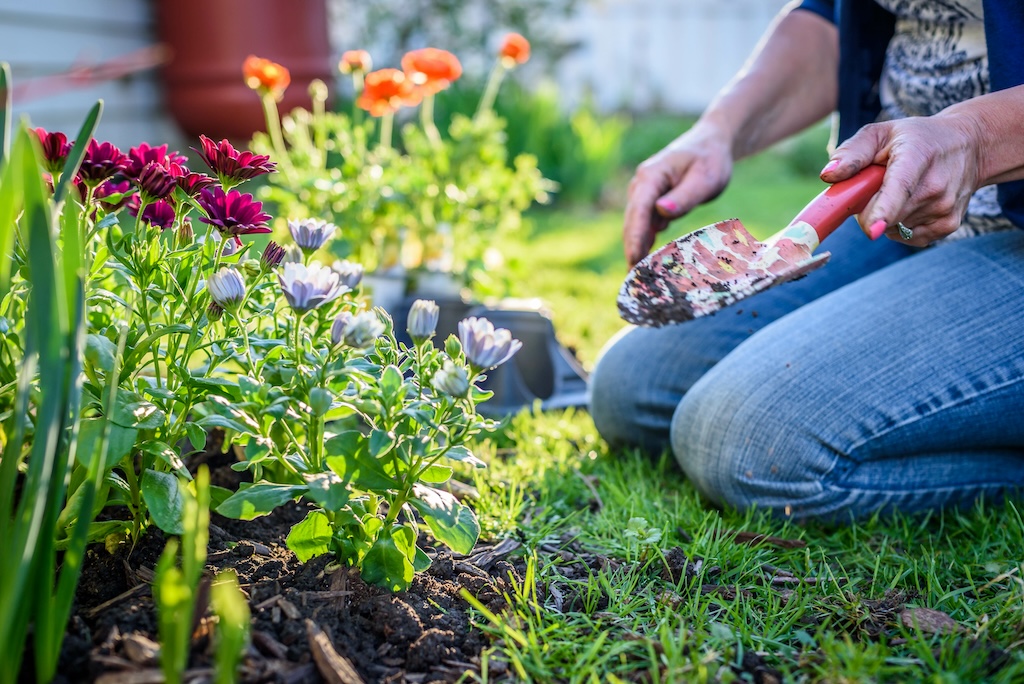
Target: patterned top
point(937, 58)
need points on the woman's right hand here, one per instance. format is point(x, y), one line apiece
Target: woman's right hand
point(693, 169)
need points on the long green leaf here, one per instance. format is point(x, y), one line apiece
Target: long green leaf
point(77, 154)
point(31, 540)
point(56, 611)
point(5, 111)
point(12, 197)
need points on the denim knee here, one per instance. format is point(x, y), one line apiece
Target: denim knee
point(619, 402)
point(740, 447)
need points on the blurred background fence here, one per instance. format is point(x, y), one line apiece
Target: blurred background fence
point(637, 56)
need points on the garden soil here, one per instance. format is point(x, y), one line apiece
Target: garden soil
point(311, 621)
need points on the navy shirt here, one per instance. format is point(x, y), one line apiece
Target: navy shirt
point(865, 29)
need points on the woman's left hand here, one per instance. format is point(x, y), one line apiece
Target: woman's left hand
point(932, 169)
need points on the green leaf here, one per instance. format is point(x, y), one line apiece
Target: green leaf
point(166, 454)
point(436, 474)
point(328, 490)
point(464, 455)
point(5, 112)
point(165, 500)
point(196, 436)
point(363, 471)
point(451, 522)
point(380, 442)
point(421, 562)
point(386, 566)
point(100, 351)
point(391, 382)
point(260, 499)
point(119, 443)
point(311, 537)
point(131, 410)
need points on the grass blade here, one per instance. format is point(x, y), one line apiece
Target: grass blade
point(77, 153)
point(5, 111)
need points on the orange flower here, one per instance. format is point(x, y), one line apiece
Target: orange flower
point(431, 69)
point(514, 50)
point(355, 60)
point(265, 76)
point(386, 91)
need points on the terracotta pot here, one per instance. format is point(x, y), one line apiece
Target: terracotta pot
point(209, 40)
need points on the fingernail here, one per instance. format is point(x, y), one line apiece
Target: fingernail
point(831, 166)
point(666, 207)
point(876, 229)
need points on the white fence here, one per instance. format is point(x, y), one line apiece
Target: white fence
point(638, 55)
point(670, 55)
point(66, 54)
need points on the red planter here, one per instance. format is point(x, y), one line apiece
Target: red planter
point(209, 40)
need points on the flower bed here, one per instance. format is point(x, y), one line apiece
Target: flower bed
point(140, 318)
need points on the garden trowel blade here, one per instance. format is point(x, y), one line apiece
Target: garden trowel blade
point(711, 268)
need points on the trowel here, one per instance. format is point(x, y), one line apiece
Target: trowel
point(718, 265)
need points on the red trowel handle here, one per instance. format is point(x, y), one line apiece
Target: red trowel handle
point(827, 211)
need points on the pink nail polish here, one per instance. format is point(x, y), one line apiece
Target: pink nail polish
point(876, 229)
point(668, 206)
point(831, 166)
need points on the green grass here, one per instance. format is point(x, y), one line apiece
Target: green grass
point(592, 600)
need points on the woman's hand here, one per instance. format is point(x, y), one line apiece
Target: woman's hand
point(693, 169)
point(933, 168)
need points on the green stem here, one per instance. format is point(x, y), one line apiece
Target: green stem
point(298, 340)
point(491, 92)
point(387, 122)
point(245, 343)
point(357, 87)
point(274, 131)
point(427, 119)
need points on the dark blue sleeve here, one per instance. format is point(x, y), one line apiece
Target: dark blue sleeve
point(825, 9)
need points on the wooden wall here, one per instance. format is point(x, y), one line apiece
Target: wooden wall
point(43, 40)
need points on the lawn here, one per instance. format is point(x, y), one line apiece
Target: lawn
point(625, 574)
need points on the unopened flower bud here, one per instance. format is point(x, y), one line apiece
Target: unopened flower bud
point(358, 331)
point(451, 379)
point(226, 287)
point(422, 322)
point(350, 273)
point(252, 268)
point(318, 90)
point(272, 255)
point(214, 312)
point(353, 61)
point(320, 400)
point(484, 346)
point(186, 236)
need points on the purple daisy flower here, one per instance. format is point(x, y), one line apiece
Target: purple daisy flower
point(157, 213)
point(102, 161)
point(139, 157)
point(155, 181)
point(233, 213)
point(190, 182)
point(233, 166)
point(55, 149)
point(113, 194)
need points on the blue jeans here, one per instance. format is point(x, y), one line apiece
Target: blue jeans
point(891, 379)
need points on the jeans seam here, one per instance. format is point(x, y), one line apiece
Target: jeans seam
point(913, 419)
